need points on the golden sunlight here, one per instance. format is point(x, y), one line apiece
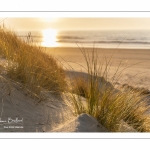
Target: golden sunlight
point(49, 38)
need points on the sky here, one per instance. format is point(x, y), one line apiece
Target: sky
point(29, 24)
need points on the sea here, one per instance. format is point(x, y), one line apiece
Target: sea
point(135, 39)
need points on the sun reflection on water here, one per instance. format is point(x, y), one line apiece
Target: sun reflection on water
point(49, 38)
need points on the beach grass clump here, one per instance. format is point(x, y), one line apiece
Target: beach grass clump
point(127, 106)
point(96, 95)
point(28, 64)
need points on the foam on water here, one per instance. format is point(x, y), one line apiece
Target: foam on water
point(105, 39)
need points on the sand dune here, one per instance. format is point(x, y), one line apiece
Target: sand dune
point(37, 117)
point(53, 114)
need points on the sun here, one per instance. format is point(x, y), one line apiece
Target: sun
point(49, 38)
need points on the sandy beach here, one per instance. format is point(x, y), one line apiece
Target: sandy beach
point(135, 63)
point(53, 115)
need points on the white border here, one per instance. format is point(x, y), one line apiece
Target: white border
point(75, 14)
point(75, 5)
point(97, 135)
point(17, 5)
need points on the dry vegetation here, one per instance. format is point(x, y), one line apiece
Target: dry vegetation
point(28, 65)
point(109, 105)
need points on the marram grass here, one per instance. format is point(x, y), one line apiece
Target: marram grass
point(100, 99)
point(29, 65)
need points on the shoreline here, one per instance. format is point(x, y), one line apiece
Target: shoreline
point(100, 48)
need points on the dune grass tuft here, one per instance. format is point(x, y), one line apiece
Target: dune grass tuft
point(99, 98)
point(29, 65)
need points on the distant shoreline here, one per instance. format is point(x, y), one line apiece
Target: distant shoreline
point(128, 39)
point(61, 50)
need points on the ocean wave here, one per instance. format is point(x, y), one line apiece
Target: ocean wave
point(69, 37)
point(109, 42)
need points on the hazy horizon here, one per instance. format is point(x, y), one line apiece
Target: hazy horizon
point(36, 24)
point(107, 32)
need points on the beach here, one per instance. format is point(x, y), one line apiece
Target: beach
point(135, 63)
point(53, 114)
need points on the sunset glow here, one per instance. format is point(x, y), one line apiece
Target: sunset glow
point(49, 38)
